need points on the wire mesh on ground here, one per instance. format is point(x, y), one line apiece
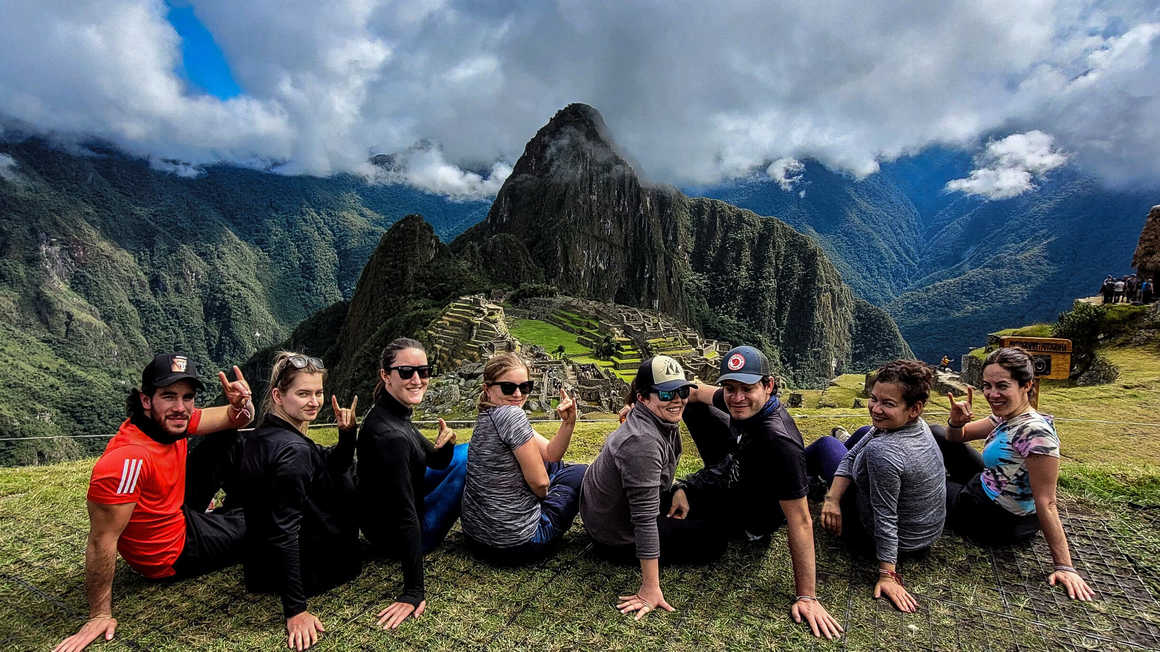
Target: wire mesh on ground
point(970, 597)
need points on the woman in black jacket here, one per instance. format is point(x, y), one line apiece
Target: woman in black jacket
point(409, 489)
point(302, 535)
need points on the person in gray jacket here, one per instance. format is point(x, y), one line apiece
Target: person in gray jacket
point(626, 494)
point(888, 490)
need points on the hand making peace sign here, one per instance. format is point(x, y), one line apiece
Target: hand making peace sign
point(237, 393)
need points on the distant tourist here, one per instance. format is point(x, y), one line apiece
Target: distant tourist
point(409, 490)
point(945, 363)
point(1009, 492)
point(299, 498)
point(1147, 290)
point(755, 471)
point(626, 502)
point(887, 483)
point(519, 497)
point(135, 500)
point(1108, 289)
point(1118, 291)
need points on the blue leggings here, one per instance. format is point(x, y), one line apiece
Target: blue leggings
point(442, 494)
point(824, 455)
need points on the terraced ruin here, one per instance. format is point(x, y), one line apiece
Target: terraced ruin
point(590, 348)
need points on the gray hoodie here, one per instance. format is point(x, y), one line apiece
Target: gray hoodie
point(620, 497)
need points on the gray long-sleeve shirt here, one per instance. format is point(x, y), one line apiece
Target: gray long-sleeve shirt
point(901, 488)
point(620, 497)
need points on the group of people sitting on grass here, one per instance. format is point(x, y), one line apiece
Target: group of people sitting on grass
point(294, 510)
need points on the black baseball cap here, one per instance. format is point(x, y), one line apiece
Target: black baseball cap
point(169, 368)
point(745, 364)
point(661, 372)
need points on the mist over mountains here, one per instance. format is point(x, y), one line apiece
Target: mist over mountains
point(948, 267)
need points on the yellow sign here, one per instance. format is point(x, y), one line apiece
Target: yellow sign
point(1052, 355)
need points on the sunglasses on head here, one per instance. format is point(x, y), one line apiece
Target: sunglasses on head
point(301, 362)
point(406, 371)
point(671, 394)
point(508, 389)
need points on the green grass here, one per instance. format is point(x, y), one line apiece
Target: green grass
point(1034, 330)
point(970, 597)
point(549, 336)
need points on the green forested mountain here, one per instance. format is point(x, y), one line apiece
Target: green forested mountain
point(104, 260)
point(950, 268)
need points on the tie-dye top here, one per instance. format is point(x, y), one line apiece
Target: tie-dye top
point(1005, 477)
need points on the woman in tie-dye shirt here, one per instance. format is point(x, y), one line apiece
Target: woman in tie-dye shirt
point(1008, 493)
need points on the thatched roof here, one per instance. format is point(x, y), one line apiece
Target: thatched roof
point(1147, 257)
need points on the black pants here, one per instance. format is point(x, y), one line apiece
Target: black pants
point(213, 540)
point(683, 541)
point(970, 511)
point(709, 428)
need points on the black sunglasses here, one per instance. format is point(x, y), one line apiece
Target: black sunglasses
point(406, 371)
point(669, 395)
point(508, 389)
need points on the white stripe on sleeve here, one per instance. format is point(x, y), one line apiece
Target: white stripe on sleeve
point(136, 474)
point(124, 476)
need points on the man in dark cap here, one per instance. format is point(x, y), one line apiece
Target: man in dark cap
point(148, 495)
point(753, 452)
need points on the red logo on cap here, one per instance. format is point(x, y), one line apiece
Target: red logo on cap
point(178, 364)
point(736, 361)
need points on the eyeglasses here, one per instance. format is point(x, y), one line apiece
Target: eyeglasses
point(671, 394)
point(508, 389)
point(406, 371)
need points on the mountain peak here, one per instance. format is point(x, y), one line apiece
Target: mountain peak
point(576, 138)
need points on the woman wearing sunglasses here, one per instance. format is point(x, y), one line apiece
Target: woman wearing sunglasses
point(409, 489)
point(626, 496)
point(519, 498)
point(302, 535)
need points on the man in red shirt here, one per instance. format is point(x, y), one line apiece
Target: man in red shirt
point(139, 501)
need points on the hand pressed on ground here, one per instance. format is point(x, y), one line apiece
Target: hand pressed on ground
point(646, 599)
point(89, 632)
point(394, 615)
point(1077, 588)
point(820, 620)
point(302, 631)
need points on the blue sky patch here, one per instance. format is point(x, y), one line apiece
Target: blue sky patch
point(202, 63)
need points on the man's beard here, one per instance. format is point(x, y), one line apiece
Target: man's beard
point(155, 430)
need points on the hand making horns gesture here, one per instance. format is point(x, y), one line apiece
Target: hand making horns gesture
point(566, 409)
point(961, 413)
point(445, 435)
point(237, 393)
point(345, 418)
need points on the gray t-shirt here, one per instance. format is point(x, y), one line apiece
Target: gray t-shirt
point(499, 508)
point(901, 488)
point(620, 497)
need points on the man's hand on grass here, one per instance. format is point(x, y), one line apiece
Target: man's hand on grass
point(89, 632)
point(1077, 589)
point(820, 620)
point(394, 615)
point(302, 631)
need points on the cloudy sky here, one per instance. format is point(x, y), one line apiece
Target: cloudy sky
point(694, 92)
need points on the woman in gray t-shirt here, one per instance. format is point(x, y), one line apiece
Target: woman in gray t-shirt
point(519, 497)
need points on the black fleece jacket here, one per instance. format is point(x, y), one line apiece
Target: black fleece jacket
point(393, 457)
point(302, 530)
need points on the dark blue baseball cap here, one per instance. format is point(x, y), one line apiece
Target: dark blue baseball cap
point(744, 364)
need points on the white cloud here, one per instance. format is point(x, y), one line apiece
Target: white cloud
point(425, 168)
point(695, 93)
point(8, 169)
point(1009, 166)
point(787, 172)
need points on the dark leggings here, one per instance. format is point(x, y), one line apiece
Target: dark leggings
point(970, 511)
point(824, 455)
point(683, 541)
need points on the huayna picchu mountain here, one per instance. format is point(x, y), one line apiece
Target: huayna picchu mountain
point(575, 215)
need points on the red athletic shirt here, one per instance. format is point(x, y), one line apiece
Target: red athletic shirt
point(137, 469)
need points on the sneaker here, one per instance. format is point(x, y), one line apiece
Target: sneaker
point(840, 433)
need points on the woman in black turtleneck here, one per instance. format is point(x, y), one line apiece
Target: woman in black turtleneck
point(302, 533)
point(409, 489)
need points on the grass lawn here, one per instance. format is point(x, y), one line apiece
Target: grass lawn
point(970, 597)
point(549, 336)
